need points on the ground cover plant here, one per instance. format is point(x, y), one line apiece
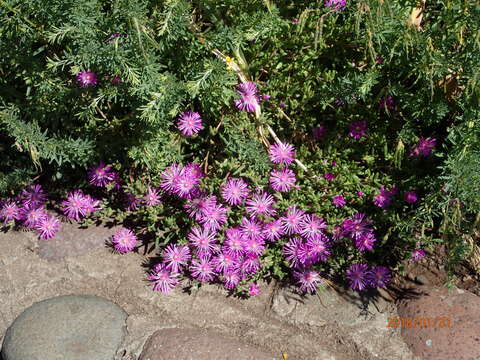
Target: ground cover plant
point(320, 142)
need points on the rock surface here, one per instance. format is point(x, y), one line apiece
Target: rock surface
point(69, 327)
point(197, 344)
point(445, 324)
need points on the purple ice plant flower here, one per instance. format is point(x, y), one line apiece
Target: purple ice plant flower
point(132, 202)
point(282, 180)
point(100, 175)
point(360, 193)
point(224, 261)
point(418, 254)
point(379, 277)
point(313, 251)
point(87, 78)
point(10, 211)
point(273, 230)
point(34, 196)
point(186, 183)
point(410, 197)
point(387, 103)
point(163, 279)
point(235, 191)
point(189, 123)
point(365, 241)
point(424, 147)
point(250, 265)
point(329, 176)
point(48, 227)
point(357, 226)
point(213, 217)
point(358, 129)
point(292, 221)
point(291, 251)
point(357, 275)
point(124, 240)
point(170, 177)
point(254, 246)
point(319, 132)
point(338, 201)
point(252, 228)
point(203, 240)
point(176, 257)
point(254, 289)
point(260, 204)
point(152, 197)
point(231, 278)
point(31, 216)
point(202, 269)
point(75, 206)
point(197, 206)
point(307, 280)
point(384, 198)
point(249, 99)
point(336, 4)
point(234, 241)
point(282, 153)
point(312, 227)
point(295, 20)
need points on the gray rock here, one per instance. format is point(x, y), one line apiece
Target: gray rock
point(71, 240)
point(190, 344)
point(69, 327)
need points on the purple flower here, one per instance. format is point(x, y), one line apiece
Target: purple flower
point(357, 226)
point(124, 240)
point(312, 227)
point(273, 230)
point(249, 99)
point(132, 202)
point(254, 246)
point(360, 193)
point(379, 277)
point(424, 147)
point(418, 254)
point(357, 276)
point(313, 251)
point(203, 239)
point(339, 201)
point(319, 132)
point(254, 289)
point(235, 191)
point(75, 205)
point(90, 205)
point(250, 265)
point(384, 198)
point(189, 123)
point(31, 216)
point(152, 197)
point(282, 180)
point(252, 228)
point(176, 257)
point(197, 207)
point(410, 197)
point(231, 278)
point(282, 153)
point(265, 97)
point(202, 269)
point(86, 78)
point(10, 211)
point(213, 217)
point(336, 4)
point(358, 129)
point(101, 175)
point(163, 279)
point(292, 221)
point(282, 104)
point(307, 280)
point(260, 204)
point(48, 227)
point(365, 241)
point(329, 176)
point(34, 196)
point(170, 177)
point(234, 241)
point(187, 182)
point(225, 260)
point(291, 251)
point(116, 80)
point(387, 103)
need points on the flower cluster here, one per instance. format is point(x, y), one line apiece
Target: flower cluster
point(249, 99)
point(361, 276)
point(424, 147)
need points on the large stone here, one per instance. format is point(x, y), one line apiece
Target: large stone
point(69, 327)
point(440, 323)
point(190, 344)
point(71, 240)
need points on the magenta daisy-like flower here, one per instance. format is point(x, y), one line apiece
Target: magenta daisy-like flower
point(358, 129)
point(87, 78)
point(124, 240)
point(235, 191)
point(282, 180)
point(31, 216)
point(260, 204)
point(189, 123)
point(379, 277)
point(291, 251)
point(387, 103)
point(234, 241)
point(202, 269)
point(100, 175)
point(91, 205)
point(307, 280)
point(176, 257)
point(75, 205)
point(254, 289)
point(132, 202)
point(196, 207)
point(250, 265)
point(339, 201)
point(356, 226)
point(10, 211)
point(418, 254)
point(410, 197)
point(336, 4)
point(225, 260)
point(319, 132)
point(365, 241)
point(282, 153)
point(213, 217)
point(313, 251)
point(357, 276)
point(186, 183)
point(48, 227)
point(424, 147)
point(231, 278)
point(163, 279)
point(329, 176)
point(170, 177)
point(249, 99)
point(292, 221)
point(312, 227)
point(252, 228)
point(254, 246)
point(152, 197)
point(204, 241)
point(273, 230)
point(34, 196)
point(384, 198)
